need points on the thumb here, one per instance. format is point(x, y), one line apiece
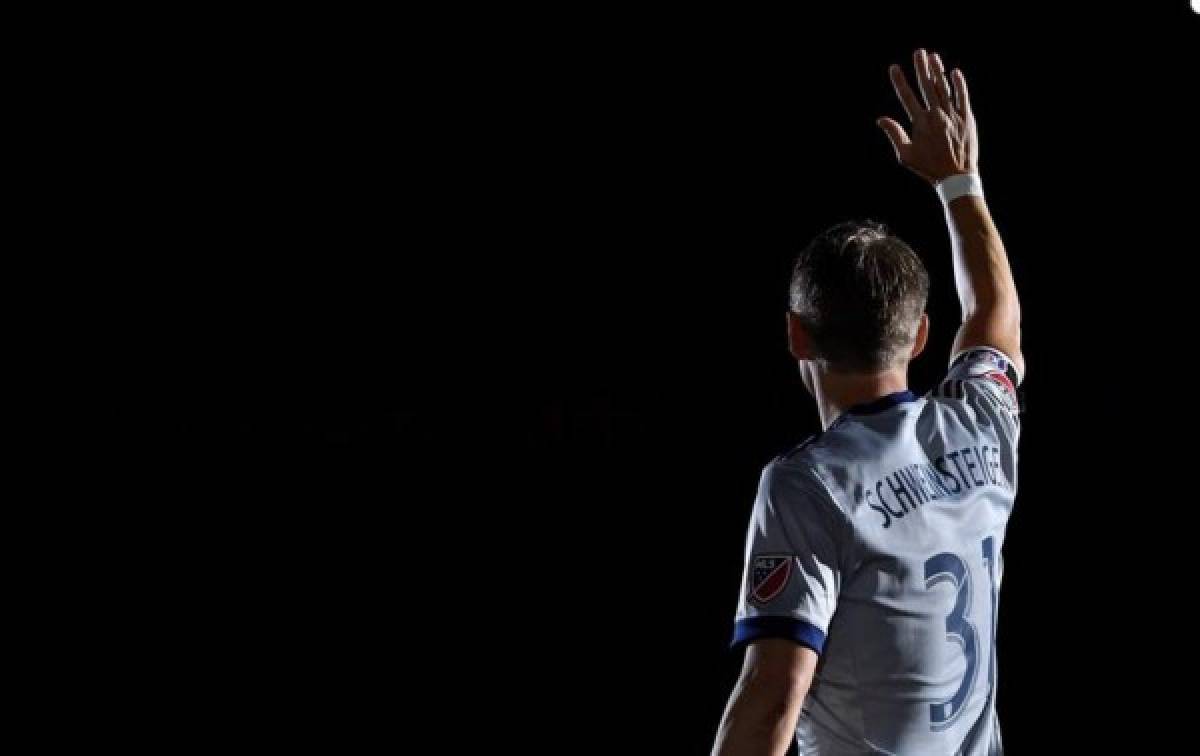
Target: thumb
point(895, 134)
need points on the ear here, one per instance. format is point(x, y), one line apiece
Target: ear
point(799, 343)
point(922, 337)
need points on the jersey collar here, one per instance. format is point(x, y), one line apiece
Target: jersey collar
point(882, 403)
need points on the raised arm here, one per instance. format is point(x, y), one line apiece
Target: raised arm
point(943, 149)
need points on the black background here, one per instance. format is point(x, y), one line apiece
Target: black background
point(485, 344)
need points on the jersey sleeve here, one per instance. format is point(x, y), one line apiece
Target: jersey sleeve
point(986, 379)
point(792, 561)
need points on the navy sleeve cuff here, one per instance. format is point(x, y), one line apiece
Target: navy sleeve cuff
point(756, 628)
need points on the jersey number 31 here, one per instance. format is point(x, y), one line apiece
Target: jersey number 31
point(951, 568)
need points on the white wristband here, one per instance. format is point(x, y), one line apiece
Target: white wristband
point(959, 185)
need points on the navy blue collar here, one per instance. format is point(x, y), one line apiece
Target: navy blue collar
point(867, 408)
point(877, 405)
point(882, 403)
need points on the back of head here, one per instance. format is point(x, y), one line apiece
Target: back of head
point(859, 293)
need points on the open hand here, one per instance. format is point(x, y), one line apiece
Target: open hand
point(944, 141)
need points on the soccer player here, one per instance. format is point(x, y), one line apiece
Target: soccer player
point(868, 603)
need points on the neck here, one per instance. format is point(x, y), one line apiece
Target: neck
point(837, 392)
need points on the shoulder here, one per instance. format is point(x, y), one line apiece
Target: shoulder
point(985, 362)
point(797, 480)
point(982, 376)
point(798, 453)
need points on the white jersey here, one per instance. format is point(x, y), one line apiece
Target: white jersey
point(877, 544)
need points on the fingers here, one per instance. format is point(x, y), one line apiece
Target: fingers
point(895, 134)
point(960, 88)
point(912, 106)
point(924, 80)
point(941, 86)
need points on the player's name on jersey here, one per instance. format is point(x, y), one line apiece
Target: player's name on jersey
point(949, 476)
